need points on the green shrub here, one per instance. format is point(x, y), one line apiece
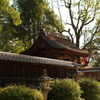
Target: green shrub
point(91, 89)
point(20, 93)
point(65, 90)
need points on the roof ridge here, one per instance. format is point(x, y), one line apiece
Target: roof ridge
point(34, 59)
point(47, 32)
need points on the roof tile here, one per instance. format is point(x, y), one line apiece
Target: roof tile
point(33, 59)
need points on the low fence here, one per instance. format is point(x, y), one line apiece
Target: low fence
point(93, 73)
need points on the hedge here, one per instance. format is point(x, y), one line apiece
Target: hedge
point(65, 90)
point(20, 93)
point(91, 89)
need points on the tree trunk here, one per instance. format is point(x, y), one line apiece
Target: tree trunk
point(78, 44)
point(78, 41)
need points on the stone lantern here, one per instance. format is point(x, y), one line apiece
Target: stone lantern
point(75, 74)
point(44, 82)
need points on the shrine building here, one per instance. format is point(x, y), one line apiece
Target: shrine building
point(56, 46)
point(51, 51)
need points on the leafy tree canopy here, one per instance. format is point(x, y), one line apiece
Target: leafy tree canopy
point(7, 11)
point(35, 14)
point(97, 63)
point(84, 19)
point(83, 22)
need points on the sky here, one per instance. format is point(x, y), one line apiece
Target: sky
point(65, 17)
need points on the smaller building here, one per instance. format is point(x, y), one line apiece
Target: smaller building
point(51, 51)
point(23, 69)
point(93, 73)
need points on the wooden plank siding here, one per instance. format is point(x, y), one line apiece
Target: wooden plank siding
point(25, 73)
point(93, 73)
point(15, 69)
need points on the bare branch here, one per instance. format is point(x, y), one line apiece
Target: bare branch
point(75, 18)
point(66, 4)
point(71, 35)
point(56, 25)
point(81, 27)
point(68, 24)
point(79, 15)
point(87, 22)
point(59, 13)
point(90, 20)
point(78, 22)
point(71, 17)
point(93, 35)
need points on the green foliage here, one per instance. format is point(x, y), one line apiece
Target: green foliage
point(97, 63)
point(94, 45)
point(35, 14)
point(65, 90)
point(84, 16)
point(7, 11)
point(20, 93)
point(7, 42)
point(52, 21)
point(8, 17)
point(91, 89)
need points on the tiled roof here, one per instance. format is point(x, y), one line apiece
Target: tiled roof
point(95, 69)
point(46, 32)
point(56, 41)
point(36, 60)
point(60, 41)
